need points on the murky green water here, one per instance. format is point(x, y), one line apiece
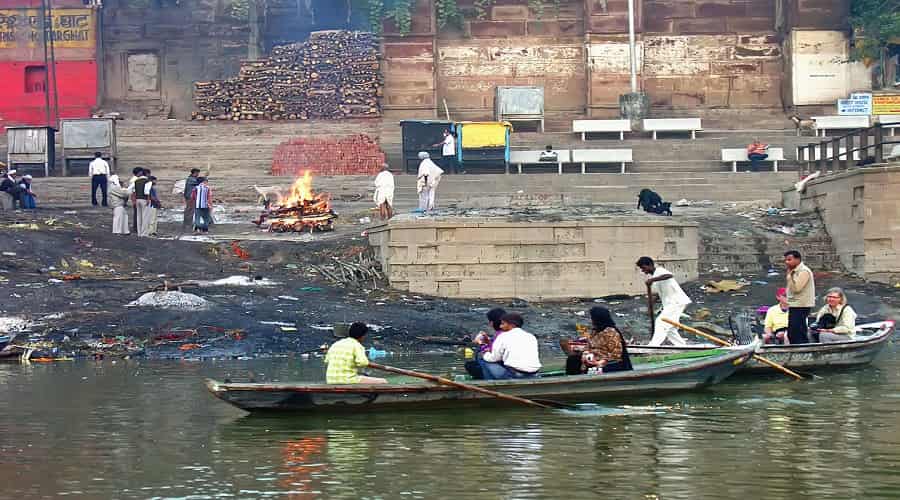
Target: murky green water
point(135, 429)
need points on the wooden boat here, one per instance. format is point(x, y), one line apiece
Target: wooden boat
point(11, 352)
point(662, 374)
point(869, 341)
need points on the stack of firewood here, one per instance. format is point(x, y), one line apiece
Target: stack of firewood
point(336, 74)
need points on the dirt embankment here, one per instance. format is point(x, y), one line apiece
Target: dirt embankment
point(71, 281)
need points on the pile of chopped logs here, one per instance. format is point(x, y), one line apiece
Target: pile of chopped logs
point(358, 271)
point(336, 74)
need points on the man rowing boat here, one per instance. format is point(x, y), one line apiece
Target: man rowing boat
point(347, 355)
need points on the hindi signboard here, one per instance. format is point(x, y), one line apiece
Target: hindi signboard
point(69, 28)
point(886, 104)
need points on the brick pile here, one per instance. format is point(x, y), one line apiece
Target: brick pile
point(349, 155)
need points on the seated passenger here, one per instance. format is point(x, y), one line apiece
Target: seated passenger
point(836, 321)
point(345, 356)
point(513, 353)
point(493, 316)
point(605, 350)
point(776, 323)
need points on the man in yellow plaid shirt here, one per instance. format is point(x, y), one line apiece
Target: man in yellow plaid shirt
point(345, 356)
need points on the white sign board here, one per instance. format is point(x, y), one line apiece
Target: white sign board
point(857, 104)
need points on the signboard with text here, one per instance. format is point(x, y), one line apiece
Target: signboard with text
point(886, 104)
point(69, 28)
point(857, 104)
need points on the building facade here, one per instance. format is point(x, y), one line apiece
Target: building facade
point(25, 84)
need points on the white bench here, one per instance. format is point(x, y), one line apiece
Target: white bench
point(533, 157)
point(895, 153)
point(890, 121)
point(584, 127)
point(585, 156)
point(655, 125)
point(817, 153)
point(832, 122)
point(734, 155)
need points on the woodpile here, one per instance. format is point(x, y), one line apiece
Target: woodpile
point(334, 75)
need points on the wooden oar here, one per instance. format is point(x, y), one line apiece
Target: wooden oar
point(459, 385)
point(724, 343)
point(650, 309)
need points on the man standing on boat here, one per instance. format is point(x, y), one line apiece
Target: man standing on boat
point(347, 355)
point(514, 354)
point(673, 299)
point(801, 296)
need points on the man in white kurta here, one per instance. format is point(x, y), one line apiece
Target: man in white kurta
point(429, 176)
point(673, 299)
point(384, 192)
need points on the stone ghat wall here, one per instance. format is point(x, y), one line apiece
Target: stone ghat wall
point(534, 260)
point(861, 211)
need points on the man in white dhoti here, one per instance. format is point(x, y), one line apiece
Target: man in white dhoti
point(384, 192)
point(118, 197)
point(429, 177)
point(673, 299)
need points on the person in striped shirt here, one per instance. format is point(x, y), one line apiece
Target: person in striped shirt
point(201, 198)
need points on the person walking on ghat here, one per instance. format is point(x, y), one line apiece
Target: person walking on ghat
point(801, 296)
point(155, 207)
point(98, 169)
point(429, 176)
point(448, 152)
point(384, 192)
point(189, 184)
point(140, 197)
point(119, 199)
point(673, 298)
point(202, 201)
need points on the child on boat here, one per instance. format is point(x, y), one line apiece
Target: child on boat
point(347, 355)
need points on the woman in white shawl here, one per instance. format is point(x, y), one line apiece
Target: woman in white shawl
point(118, 199)
point(384, 192)
point(427, 181)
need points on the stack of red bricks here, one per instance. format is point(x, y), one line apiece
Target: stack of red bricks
point(348, 155)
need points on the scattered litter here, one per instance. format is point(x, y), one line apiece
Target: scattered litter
point(85, 263)
point(375, 328)
point(760, 282)
point(13, 324)
point(365, 220)
point(276, 323)
point(9, 254)
point(579, 313)
point(54, 280)
point(322, 327)
point(723, 286)
point(311, 289)
point(287, 297)
point(71, 212)
point(287, 329)
point(189, 347)
point(238, 251)
point(239, 281)
point(702, 314)
point(170, 300)
point(32, 227)
point(71, 277)
point(682, 203)
point(377, 353)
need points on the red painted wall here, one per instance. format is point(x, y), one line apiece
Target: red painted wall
point(76, 83)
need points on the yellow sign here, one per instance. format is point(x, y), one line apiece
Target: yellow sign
point(484, 134)
point(887, 104)
point(69, 28)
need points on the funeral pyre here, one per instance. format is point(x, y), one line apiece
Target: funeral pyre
point(300, 210)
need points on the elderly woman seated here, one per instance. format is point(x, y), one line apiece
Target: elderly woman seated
point(836, 321)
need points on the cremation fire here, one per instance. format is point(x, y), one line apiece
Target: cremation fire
point(300, 210)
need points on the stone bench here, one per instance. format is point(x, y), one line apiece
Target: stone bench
point(734, 155)
point(832, 122)
point(692, 125)
point(890, 121)
point(533, 157)
point(585, 127)
point(585, 156)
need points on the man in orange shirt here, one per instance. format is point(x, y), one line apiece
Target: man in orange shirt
point(756, 152)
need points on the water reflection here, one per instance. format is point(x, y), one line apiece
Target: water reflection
point(149, 430)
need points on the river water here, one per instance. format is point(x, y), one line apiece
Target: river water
point(138, 429)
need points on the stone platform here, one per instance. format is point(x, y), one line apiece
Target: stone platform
point(537, 260)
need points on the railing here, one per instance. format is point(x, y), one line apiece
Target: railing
point(857, 141)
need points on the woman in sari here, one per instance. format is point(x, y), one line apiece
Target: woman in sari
point(605, 350)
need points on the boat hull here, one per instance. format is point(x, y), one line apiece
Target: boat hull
point(861, 351)
point(316, 398)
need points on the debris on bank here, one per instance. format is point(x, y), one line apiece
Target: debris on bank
point(171, 300)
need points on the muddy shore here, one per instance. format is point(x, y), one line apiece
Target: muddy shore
point(68, 282)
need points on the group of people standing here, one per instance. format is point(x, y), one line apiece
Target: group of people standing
point(142, 193)
point(15, 191)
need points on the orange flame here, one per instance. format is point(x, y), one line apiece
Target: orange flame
point(301, 195)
